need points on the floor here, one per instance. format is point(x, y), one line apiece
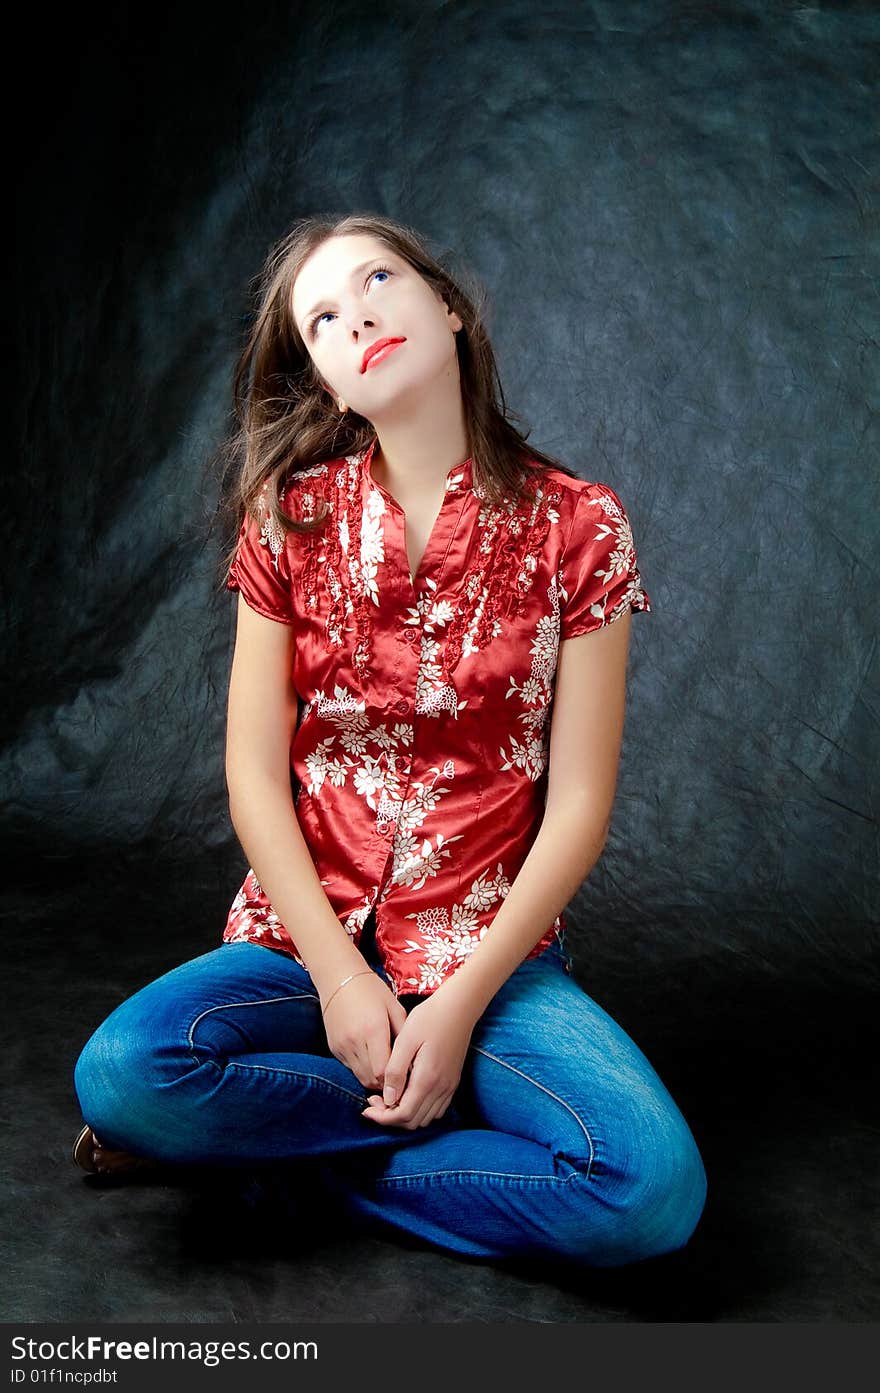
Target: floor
point(776, 1085)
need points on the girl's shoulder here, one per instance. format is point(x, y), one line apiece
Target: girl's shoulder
point(573, 490)
point(302, 487)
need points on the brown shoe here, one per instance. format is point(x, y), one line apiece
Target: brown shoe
point(90, 1155)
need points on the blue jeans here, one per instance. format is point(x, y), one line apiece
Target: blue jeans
point(560, 1141)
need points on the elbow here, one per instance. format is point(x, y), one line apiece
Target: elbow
point(232, 785)
point(578, 808)
point(595, 839)
point(240, 783)
point(245, 783)
point(576, 820)
point(231, 805)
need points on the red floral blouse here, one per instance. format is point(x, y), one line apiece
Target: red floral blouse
point(421, 749)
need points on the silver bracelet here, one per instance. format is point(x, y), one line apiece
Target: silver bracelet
point(360, 973)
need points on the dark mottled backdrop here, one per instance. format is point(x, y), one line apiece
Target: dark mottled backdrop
point(674, 210)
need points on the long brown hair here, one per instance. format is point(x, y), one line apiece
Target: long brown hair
point(288, 421)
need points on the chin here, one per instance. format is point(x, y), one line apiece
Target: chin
point(389, 402)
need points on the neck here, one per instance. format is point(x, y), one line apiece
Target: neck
point(417, 447)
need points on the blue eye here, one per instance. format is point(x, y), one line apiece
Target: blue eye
point(376, 271)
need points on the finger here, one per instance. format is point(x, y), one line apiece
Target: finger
point(399, 1116)
point(379, 1051)
point(438, 1110)
point(363, 1071)
point(397, 1068)
point(374, 1106)
point(385, 1117)
point(417, 1097)
point(378, 1112)
point(424, 1114)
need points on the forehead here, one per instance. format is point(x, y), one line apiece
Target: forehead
point(329, 267)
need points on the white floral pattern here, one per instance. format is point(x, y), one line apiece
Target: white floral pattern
point(433, 695)
point(253, 920)
point(448, 936)
point(535, 693)
point(423, 739)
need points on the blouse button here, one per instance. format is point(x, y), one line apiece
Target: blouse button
point(401, 706)
point(409, 635)
point(382, 828)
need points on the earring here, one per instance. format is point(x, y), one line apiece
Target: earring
point(342, 406)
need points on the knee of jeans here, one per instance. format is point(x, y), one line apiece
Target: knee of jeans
point(668, 1205)
point(116, 1078)
point(649, 1207)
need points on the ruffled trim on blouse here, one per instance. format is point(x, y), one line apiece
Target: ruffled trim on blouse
point(495, 586)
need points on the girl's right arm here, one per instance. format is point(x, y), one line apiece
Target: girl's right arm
point(262, 712)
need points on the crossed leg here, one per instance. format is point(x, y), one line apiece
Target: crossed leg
point(561, 1138)
point(568, 1142)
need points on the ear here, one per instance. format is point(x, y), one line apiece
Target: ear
point(454, 321)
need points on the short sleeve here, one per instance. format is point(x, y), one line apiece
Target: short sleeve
point(261, 568)
point(600, 574)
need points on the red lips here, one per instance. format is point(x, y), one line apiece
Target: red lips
point(375, 347)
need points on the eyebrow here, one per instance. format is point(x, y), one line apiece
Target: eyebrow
point(356, 272)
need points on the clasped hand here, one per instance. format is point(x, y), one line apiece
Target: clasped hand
point(421, 1071)
point(430, 1047)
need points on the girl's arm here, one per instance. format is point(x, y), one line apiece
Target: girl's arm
point(585, 739)
point(262, 712)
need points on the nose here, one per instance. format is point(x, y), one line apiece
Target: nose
point(364, 323)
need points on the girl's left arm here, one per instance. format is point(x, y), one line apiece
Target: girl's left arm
point(586, 733)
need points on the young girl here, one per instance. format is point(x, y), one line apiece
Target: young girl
point(432, 634)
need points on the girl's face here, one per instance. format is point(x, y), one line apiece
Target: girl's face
point(352, 291)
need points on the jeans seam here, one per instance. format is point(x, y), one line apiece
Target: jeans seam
point(491, 1175)
point(583, 1126)
point(299, 1074)
point(230, 1005)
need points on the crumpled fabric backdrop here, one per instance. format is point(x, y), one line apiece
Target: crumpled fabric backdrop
point(674, 209)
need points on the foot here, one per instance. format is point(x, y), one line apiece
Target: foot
point(90, 1154)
